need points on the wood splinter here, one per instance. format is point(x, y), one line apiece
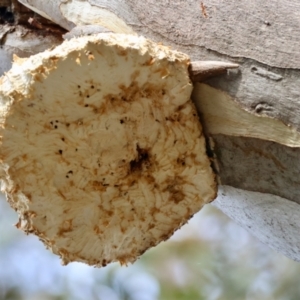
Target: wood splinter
point(202, 70)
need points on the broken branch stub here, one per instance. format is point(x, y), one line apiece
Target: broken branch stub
point(202, 70)
point(102, 153)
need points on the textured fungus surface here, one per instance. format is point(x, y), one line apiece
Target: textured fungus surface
point(102, 153)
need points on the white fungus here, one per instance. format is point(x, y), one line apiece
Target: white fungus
point(102, 153)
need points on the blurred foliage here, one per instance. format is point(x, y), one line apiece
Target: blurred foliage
point(211, 258)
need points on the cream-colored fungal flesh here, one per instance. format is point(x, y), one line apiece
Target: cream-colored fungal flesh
point(102, 153)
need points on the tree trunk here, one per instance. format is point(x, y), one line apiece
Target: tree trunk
point(251, 117)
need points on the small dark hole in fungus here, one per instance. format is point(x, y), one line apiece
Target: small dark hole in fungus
point(79, 86)
point(63, 139)
point(76, 149)
point(9, 17)
point(92, 87)
point(70, 172)
point(88, 96)
point(60, 151)
point(6, 16)
point(68, 124)
point(3, 10)
point(121, 121)
point(86, 105)
point(67, 176)
point(55, 126)
point(142, 157)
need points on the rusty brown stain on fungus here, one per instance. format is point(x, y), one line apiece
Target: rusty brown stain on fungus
point(124, 259)
point(67, 226)
point(150, 179)
point(153, 211)
point(150, 62)
point(105, 223)
point(98, 185)
point(41, 70)
point(151, 226)
point(181, 161)
point(54, 59)
point(164, 237)
point(131, 91)
point(135, 75)
point(121, 51)
point(61, 194)
point(142, 252)
point(111, 101)
point(155, 92)
point(175, 194)
point(28, 196)
point(97, 229)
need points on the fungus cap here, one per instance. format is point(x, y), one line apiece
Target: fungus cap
point(102, 153)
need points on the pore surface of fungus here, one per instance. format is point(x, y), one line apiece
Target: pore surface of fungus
point(102, 153)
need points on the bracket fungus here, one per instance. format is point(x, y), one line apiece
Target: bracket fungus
point(102, 152)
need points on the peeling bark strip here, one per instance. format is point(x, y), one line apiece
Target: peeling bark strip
point(220, 114)
point(266, 46)
point(69, 14)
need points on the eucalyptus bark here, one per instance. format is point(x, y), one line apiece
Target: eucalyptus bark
point(262, 158)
